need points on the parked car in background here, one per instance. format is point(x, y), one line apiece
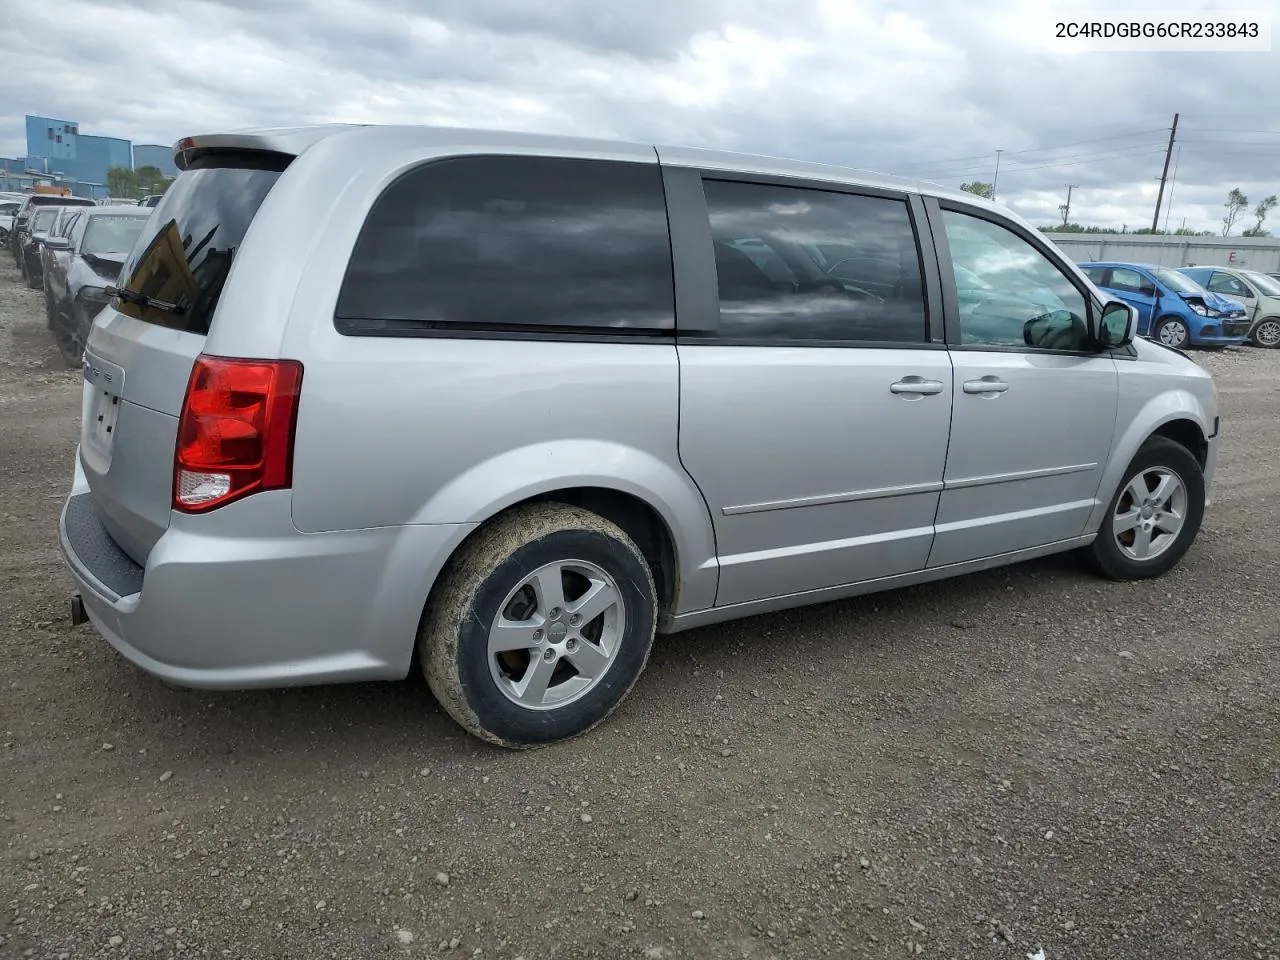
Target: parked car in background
point(1172, 308)
point(30, 203)
point(51, 251)
point(519, 400)
point(1257, 293)
point(150, 200)
point(39, 227)
point(8, 211)
point(80, 266)
point(43, 230)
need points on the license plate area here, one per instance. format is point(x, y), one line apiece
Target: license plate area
point(104, 384)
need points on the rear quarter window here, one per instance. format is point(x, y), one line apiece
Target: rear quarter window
point(189, 241)
point(514, 243)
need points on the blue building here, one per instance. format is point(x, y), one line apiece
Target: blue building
point(154, 155)
point(57, 148)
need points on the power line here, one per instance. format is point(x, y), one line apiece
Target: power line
point(1273, 133)
point(1064, 146)
point(1076, 163)
point(1102, 158)
point(1272, 144)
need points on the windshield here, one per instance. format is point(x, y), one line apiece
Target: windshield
point(1267, 286)
point(1178, 282)
point(8, 209)
point(107, 235)
point(186, 248)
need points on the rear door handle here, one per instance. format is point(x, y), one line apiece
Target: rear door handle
point(986, 385)
point(914, 386)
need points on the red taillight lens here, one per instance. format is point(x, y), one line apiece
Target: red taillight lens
point(235, 434)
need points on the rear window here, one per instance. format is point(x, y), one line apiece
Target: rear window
point(514, 243)
point(108, 235)
point(186, 246)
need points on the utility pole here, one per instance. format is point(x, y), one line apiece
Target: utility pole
point(1168, 155)
point(1066, 207)
point(996, 178)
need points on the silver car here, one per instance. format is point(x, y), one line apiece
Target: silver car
point(515, 402)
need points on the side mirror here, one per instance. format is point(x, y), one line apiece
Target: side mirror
point(57, 243)
point(1056, 330)
point(1118, 325)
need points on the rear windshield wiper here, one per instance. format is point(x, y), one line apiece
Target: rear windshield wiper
point(142, 300)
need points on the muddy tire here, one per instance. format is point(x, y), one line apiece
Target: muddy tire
point(538, 626)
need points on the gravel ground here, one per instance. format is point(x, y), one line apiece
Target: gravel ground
point(1023, 760)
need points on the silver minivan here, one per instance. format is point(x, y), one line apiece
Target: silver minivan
point(504, 405)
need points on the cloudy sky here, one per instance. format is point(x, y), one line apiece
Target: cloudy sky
point(927, 88)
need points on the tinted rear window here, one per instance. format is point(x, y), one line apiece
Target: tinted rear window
point(514, 243)
point(186, 248)
point(107, 235)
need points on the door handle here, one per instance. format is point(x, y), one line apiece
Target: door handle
point(986, 386)
point(914, 386)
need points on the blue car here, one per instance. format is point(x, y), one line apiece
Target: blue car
point(1172, 308)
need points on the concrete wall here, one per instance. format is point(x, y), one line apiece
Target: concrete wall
point(1251, 253)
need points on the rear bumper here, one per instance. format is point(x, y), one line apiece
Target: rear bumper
point(244, 600)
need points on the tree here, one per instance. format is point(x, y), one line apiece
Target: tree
point(122, 182)
point(1236, 203)
point(1260, 212)
point(977, 189)
point(150, 180)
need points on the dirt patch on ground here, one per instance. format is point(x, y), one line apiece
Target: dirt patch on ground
point(1024, 759)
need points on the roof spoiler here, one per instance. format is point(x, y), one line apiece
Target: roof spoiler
point(282, 142)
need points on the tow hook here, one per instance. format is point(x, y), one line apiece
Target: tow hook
point(78, 616)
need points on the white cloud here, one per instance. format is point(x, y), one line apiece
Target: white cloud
point(928, 88)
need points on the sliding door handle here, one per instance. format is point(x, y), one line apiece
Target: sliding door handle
point(916, 387)
point(986, 386)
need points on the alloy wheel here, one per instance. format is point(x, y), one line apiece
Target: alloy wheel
point(1150, 513)
point(556, 634)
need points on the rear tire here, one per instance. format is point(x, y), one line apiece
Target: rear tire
point(1156, 510)
point(1173, 332)
point(539, 626)
point(69, 334)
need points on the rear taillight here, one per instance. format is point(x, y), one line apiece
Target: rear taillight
point(235, 434)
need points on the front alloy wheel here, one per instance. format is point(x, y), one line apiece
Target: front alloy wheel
point(1149, 514)
point(1154, 515)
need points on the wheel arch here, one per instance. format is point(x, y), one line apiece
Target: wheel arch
point(1177, 415)
point(654, 502)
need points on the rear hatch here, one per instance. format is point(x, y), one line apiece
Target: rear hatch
point(139, 355)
